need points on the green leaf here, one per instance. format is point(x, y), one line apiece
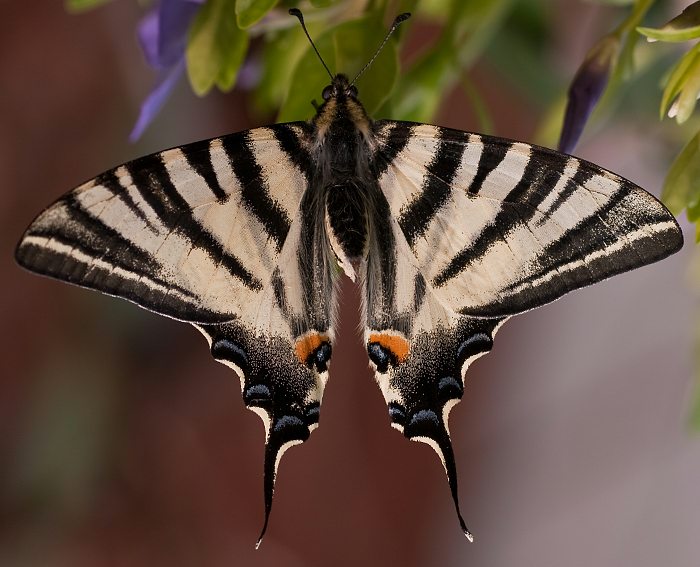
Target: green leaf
point(354, 45)
point(470, 26)
point(280, 57)
point(249, 12)
point(683, 27)
point(77, 6)
point(346, 48)
point(689, 94)
point(616, 2)
point(670, 35)
point(322, 3)
point(435, 9)
point(215, 47)
point(481, 109)
point(678, 77)
point(625, 65)
point(682, 185)
point(523, 42)
point(423, 86)
point(549, 128)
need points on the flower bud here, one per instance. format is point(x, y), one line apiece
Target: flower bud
point(586, 89)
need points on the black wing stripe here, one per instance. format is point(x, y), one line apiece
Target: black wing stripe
point(255, 194)
point(83, 226)
point(419, 290)
point(578, 180)
point(594, 260)
point(148, 174)
point(96, 270)
point(279, 292)
point(153, 182)
point(199, 159)
point(395, 142)
point(530, 191)
point(417, 215)
point(491, 157)
point(296, 152)
point(110, 181)
point(94, 267)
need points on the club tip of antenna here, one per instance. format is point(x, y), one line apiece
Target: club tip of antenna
point(401, 18)
point(296, 12)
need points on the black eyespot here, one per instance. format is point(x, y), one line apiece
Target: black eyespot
point(327, 92)
point(257, 395)
point(449, 388)
point(312, 414)
point(397, 413)
point(423, 423)
point(321, 356)
point(351, 91)
point(381, 356)
point(477, 343)
point(290, 428)
point(225, 349)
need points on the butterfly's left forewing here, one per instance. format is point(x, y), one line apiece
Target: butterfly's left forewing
point(222, 234)
point(481, 229)
point(499, 227)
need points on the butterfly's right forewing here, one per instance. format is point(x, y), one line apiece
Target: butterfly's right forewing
point(193, 233)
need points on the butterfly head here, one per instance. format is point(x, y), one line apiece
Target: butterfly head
point(340, 102)
point(339, 88)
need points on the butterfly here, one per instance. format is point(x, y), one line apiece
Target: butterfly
point(447, 233)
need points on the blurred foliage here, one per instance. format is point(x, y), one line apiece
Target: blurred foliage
point(216, 46)
point(681, 91)
point(68, 432)
point(229, 39)
point(77, 6)
point(348, 46)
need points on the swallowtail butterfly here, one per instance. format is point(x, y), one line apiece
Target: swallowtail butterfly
point(447, 233)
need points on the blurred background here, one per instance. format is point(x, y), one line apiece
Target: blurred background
point(122, 442)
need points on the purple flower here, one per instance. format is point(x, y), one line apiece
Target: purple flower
point(162, 34)
point(586, 89)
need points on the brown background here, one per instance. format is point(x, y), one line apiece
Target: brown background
point(123, 443)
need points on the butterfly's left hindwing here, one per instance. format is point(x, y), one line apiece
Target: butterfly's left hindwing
point(222, 234)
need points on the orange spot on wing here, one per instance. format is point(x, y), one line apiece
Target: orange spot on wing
point(307, 344)
point(396, 344)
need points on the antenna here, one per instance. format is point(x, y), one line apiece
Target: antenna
point(296, 12)
point(397, 21)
